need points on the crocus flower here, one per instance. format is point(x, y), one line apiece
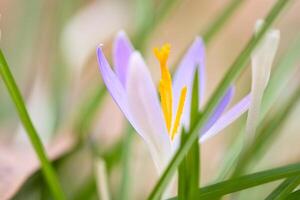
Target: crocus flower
point(159, 121)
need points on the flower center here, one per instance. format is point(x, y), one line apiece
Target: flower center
point(166, 92)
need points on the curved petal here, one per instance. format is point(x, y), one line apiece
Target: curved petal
point(261, 59)
point(121, 52)
point(263, 56)
point(229, 117)
point(146, 111)
point(224, 102)
point(184, 76)
point(113, 84)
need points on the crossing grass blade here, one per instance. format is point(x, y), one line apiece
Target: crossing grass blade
point(294, 195)
point(229, 77)
point(284, 189)
point(244, 182)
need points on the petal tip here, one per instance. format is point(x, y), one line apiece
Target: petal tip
point(121, 33)
point(99, 51)
point(199, 40)
point(121, 36)
point(275, 33)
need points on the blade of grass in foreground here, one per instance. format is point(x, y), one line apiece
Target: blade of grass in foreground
point(48, 171)
point(189, 169)
point(230, 76)
point(247, 181)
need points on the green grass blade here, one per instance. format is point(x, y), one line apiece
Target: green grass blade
point(244, 182)
point(284, 189)
point(230, 76)
point(49, 173)
point(248, 181)
point(189, 169)
point(294, 195)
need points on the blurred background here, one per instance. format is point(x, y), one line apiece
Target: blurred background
point(50, 46)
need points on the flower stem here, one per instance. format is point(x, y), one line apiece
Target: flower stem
point(15, 94)
point(229, 77)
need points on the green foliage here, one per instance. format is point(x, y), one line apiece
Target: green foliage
point(240, 183)
point(49, 173)
point(189, 169)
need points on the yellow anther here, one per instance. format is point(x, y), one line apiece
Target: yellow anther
point(162, 55)
point(165, 107)
point(165, 91)
point(179, 111)
point(165, 86)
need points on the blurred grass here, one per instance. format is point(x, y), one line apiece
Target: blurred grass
point(48, 171)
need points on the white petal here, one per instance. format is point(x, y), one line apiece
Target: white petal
point(146, 111)
point(262, 59)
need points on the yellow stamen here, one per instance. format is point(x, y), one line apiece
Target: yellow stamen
point(179, 111)
point(166, 93)
point(164, 105)
point(165, 86)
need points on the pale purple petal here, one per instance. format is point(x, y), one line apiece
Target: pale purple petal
point(112, 82)
point(184, 76)
point(121, 53)
point(229, 117)
point(220, 108)
point(146, 111)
